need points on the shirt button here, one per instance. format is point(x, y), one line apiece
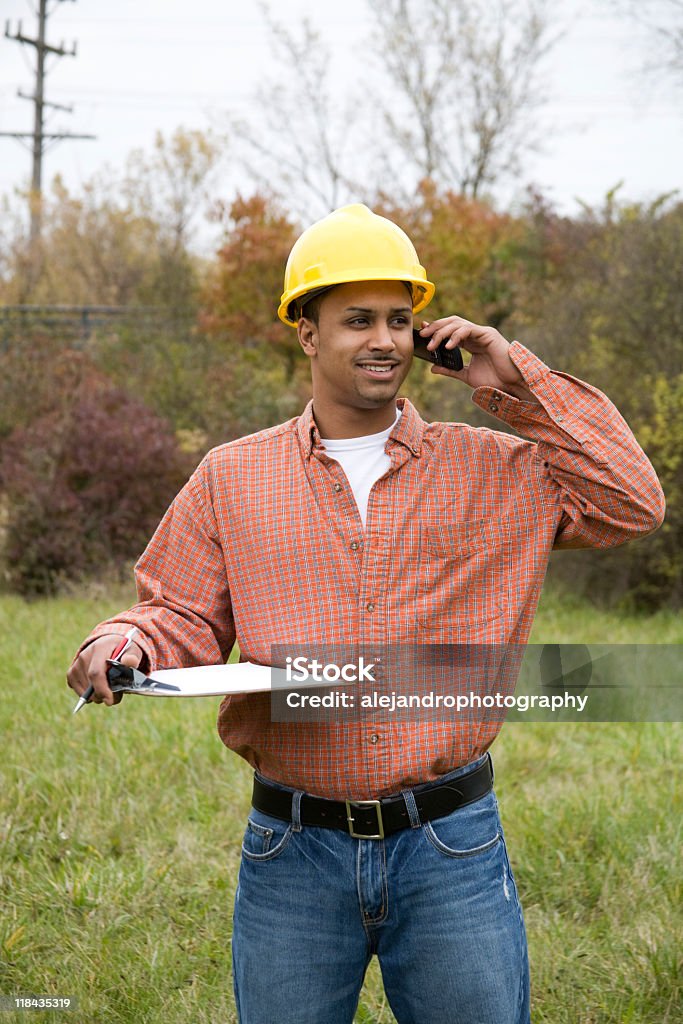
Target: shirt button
point(337, 487)
point(374, 738)
point(493, 406)
point(354, 545)
point(369, 607)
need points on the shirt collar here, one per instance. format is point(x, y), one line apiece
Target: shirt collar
point(409, 430)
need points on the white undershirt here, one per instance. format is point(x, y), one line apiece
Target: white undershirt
point(363, 460)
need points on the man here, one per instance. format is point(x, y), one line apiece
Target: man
point(359, 521)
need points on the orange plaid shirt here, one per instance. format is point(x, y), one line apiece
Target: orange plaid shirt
point(264, 545)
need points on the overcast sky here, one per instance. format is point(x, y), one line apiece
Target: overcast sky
point(144, 65)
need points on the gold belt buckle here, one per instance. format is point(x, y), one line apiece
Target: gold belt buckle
point(365, 803)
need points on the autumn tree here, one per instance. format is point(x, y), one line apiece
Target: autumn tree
point(124, 238)
point(174, 181)
point(477, 258)
point(257, 376)
point(173, 184)
point(241, 294)
point(95, 249)
point(470, 249)
point(612, 314)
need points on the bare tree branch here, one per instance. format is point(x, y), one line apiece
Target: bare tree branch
point(295, 145)
point(172, 183)
point(465, 87)
point(662, 20)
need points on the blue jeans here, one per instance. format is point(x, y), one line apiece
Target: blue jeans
point(436, 903)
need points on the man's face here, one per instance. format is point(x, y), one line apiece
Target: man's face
point(362, 348)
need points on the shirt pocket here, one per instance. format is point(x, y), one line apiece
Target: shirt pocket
point(463, 578)
point(451, 540)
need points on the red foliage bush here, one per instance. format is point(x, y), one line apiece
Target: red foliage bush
point(85, 487)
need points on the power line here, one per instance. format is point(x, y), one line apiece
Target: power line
point(40, 138)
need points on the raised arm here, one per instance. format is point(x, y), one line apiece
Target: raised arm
point(593, 466)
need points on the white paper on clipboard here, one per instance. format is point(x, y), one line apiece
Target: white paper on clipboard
point(222, 680)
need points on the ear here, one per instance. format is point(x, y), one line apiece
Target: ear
point(307, 333)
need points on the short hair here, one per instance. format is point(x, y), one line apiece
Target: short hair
point(310, 308)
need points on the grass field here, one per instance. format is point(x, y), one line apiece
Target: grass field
point(120, 835)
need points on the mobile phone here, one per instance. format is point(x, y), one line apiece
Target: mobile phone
point(451, 358)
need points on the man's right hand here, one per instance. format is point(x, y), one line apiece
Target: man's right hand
point(90, 668)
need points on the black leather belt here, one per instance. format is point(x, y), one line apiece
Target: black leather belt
point(375, 819)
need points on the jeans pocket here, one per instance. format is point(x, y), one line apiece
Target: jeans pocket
point(265, 837)
point(467, 831)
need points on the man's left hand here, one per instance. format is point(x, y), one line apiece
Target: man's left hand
point(490, 365)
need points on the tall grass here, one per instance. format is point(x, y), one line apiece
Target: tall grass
point(120, 835)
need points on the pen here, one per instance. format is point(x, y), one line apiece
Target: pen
point(121, 648)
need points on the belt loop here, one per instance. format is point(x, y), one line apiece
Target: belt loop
point(296, 810)
point(490, 765)
point(411, 806)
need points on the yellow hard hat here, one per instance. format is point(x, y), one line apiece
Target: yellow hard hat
point(351, 244)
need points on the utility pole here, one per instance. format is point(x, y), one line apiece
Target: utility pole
point(40, 139)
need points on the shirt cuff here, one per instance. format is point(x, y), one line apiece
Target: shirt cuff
point(120, 629)
point(552, 389)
